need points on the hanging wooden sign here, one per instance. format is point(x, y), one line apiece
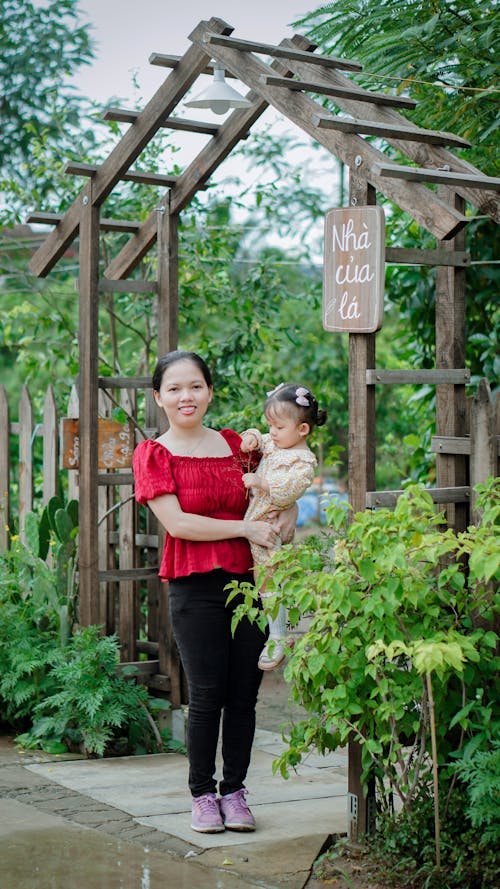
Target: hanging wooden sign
point(115, 444)
point(354, 269)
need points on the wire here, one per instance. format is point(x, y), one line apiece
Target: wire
point(446, 86)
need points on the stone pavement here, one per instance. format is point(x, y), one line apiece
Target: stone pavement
point(143, 801)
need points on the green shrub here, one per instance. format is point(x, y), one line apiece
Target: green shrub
point(400, 648)
point(61, 686)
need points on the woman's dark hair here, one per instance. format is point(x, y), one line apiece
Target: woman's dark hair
point(300, 402)
point(172, 358)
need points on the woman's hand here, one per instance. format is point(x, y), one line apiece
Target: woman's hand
point(284, 521)
point(261, 533)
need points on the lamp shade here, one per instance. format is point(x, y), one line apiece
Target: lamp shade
point(219, 97)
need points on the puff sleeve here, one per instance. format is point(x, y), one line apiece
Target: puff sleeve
point(152, 471)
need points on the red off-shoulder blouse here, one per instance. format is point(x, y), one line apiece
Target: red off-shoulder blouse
point(208, 486)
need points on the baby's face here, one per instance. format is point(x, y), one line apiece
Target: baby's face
point(285, 430)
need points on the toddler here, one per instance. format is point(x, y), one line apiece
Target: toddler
point(284, 473)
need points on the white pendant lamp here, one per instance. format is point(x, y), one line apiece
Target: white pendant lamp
point(219, 97)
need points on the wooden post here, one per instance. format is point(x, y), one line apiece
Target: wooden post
point(88, 397)
point(50, 446)
point(451, 412)
point(361, 462)
point(483, 442)
point(128, 610)
point(168, 321)
point(4, 470)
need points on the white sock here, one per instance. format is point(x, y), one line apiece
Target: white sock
point(277, 627)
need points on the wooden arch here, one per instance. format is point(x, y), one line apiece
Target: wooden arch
point(286, 82)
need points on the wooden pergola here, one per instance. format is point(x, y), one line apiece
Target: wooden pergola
point(285, 77)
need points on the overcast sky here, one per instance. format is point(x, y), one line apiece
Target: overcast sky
point(126, 32)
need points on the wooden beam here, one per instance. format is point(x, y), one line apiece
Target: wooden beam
point(281, 52)
point(424, 155)
point(402, 377)
point(417, 256)
point(122, 115)
point(370, 128)
point(124, 382)
point(460, 494)
point(112, 225)
point(450, 444)
point(138, 176)
point(167, 60)
point(353, 92)
point(106, 286)
point(130, 146)
point(441, 177)
point(417, 200)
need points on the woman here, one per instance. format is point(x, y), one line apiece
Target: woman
point(191, 478)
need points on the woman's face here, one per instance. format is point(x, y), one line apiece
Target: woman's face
point(184, 394)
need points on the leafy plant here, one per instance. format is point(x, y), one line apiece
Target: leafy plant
point(399, 651)
point(96, 707)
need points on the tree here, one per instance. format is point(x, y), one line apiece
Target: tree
point(443, 54)
point(40, 47)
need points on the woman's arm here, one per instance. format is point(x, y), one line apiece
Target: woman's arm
point(190, 526)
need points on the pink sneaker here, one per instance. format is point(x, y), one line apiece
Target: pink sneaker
point(206, 815)
point(235, 812)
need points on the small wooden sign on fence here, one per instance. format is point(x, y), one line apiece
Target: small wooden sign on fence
point(354, 269)
point(115, 444)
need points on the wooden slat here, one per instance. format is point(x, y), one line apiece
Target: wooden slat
point(146, 647)
point(487, 202)
point(4, 470)
point(145, 669)
point(114, 479)
point(450, 444)
point(442, 177)
point(129, 574)
point(142, 178)
point(112, 225)
point(461, 494)
point(129, 148)
point(122, 115)
point(160, 682)
point(430, 377)
point(50, 446)
point(416, 256)
point(125, 382)
point(370, 128)
point(325, 89)
point(280, 52)
point(107, 286)
point(25, 458)
point(484, 443)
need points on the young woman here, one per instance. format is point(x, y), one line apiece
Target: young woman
point(284, 473)
point(191, 478)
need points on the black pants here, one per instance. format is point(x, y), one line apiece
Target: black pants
point(222, 675)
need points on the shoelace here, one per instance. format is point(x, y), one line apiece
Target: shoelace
point(207, 804)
